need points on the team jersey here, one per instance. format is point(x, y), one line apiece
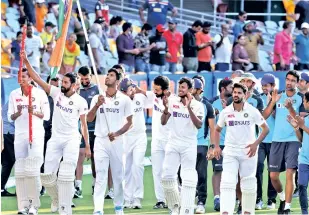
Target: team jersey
point(217, 104)
point(182, 129)
point(270, 121)
point(303, 157)
point(67, 111)
point(240, 126)
point(114, 112)
point(39, 103)
point(283, 131)
point(138, 105)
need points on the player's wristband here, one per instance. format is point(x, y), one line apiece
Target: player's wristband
point(211, 146)
point(297, 128)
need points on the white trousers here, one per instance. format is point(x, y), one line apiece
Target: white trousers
point(175, 155)
point(134, 148)
point(22, 147)
point(157, 159)
point(108, 153)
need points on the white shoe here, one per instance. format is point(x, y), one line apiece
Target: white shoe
point(111, 193)
point(175, 211)
point(200, 209)
point(119, 212)
point(23, 211)
point(137, 204)
point(54, 206)
point(98, 213)
point(259, 205)
point(271, 205)
point(33, 211)
point(127, 204)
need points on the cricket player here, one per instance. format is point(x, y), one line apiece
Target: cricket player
point(135, 146)
point(301, 128)
point(268, 86)
point(303, 84)
point(285, 145)
point(64, 143)
point(87, 90)
point(113, 113)
point(29, 158)
point(185, 115)
point(219, 103)
point(239, 150)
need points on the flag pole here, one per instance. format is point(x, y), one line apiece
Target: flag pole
point(21, 61)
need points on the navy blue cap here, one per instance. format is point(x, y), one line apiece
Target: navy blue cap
point(268, 79)
point(125, 84)
point(197, 84)
point(304, 76)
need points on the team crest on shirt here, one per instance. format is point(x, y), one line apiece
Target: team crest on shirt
point(70, 103)
point(187, 211)
point(138, 103)
point(62, 208)
point(33, 99)
point(246, 115)
point(294, 101)
point(116, 102)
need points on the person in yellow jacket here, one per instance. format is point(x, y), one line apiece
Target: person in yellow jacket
point(71, 52)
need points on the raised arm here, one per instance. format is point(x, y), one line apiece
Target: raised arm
point(165, 115)
point(270, 107)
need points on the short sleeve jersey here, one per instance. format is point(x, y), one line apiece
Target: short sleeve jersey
point(138, 105)
point(270, 121)
point(157, 11)
point(67, 111)
point(244, 121)
point(303, 157)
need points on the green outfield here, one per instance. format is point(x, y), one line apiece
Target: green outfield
point(85, 205)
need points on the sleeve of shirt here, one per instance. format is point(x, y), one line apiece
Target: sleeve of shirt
point(221, 120)
point(45, 106)
point(210, 111)
point(200, 112)
point(296, 41)
point(216, 39)
point(149, 100)
point(258, 118)
point(301, 107)
point(11, 108)
point(198, 39)
point(128, 111)
point(93, 101)
point(170, 6)
point(97, 7)
point(137, 42)
point(236, 30)
point(170, 106)
point(54, 91)
point(120, 44)
point(236, 52)
point(146, 5)
point(278, 44)
point(83, 109)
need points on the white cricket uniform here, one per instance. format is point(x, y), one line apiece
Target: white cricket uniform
point(116, 110)
point(158, 143)
point(21, 142)
point(240, 132)
point(134, 148)
point(65, 139)
point(182, 143)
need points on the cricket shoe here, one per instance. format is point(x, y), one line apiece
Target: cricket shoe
point(217, 204)
point(43, 191)
point(5, 193)
point(160, 205)
point(33, 211)
point(271, 205)
point(127, 204)
point(200, 209)
point(287, 211)
point(54, 206)
point(110, 194)
point(98, 213)
point(175, 210)
point(137, 204)
point(281, 207)
point(92, 190)
point(239, 209)
point(119, 210)
point(23, 211)
point(259, 205)
point(78, 193)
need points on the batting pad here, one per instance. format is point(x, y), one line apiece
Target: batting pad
point(49, 181)
point(32, 169)
point(21, 191)
point(248, 188)
point(227, 191)
point(171, 192)
point(66, 178)
point(188, 190)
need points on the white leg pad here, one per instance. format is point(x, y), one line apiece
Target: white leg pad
point(21, 191)
point(32, 167)
point(171, 192)
point(248, 188)
point(228, 192)
point(49, 181)
point(188, 190)
point(66, 178)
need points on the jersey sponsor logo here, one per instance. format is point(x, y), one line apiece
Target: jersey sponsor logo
point(156, 100)
point(236, 123)
point(101, 110)
point(18, 100)
point(176, 106)
point(180, 115)
point(68, 110)
point(156, 108)
point(138, 109)
point(109, 110)
point(279, 105)
point(230, 115)
point(26, 106)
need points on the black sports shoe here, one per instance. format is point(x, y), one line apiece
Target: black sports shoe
point(78, 193)
point(5, 193)
point(239, 209)
point(159, 205)
point(92, 190)
point(42, 192)
point(281, 207)
point(287, 211)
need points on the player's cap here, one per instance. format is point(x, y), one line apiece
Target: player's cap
point(304, 76)
point(197, 84)
point(125, 84)
point(40, 1)
point(99, 20)
point(160, 28)
point(246, 75)
point(268, 79)
point(172, 21)
point(304, 25)
point(49, 24)
point(249, 22)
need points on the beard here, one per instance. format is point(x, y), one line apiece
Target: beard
point(65, 90)
point(85, 85)
point(160, 95)
point(238, 101)
point(227, 94)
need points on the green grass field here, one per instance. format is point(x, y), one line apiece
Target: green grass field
point(85, 205)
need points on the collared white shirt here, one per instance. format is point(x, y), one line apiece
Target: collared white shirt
point(114, 111)
point(240, 126)
point(182, 129)
point(67, 112)
point(39, 103)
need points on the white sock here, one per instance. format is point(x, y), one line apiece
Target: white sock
point(93, 181)
point(287, 206)
point(282, 196)
point(217, 197)
point(78, 183)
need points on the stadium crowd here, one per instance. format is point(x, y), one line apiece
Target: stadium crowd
point(159, 48)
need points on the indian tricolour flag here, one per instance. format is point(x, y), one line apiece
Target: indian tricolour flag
point(65, 10)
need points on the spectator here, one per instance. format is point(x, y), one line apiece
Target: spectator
point(190, 62)
point(34, 48)
point(158, 53)
point(303, 84)
point(253, 40)
point(174, 41)
point(97, 48)
point(157, 11)
point(240, 56)
point(27, 10)
point(125, 48)
point(115, 27)
point(46, 57)
point(302, 48)
point(301, 12)
point(102, 10)
point(223, 49)
point(40, 14)
point(142, 43)
point(104, 38)
point(15, 50)
point(204, 43)
point(49, 33)
point(283, 47)
point(6, 55)
point(71, 52)
point(236, 73)
point(74, 25)
point(238, 27)
point(79, 31)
